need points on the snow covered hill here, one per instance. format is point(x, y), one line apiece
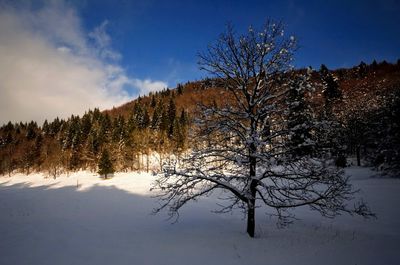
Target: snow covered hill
point(82, 219)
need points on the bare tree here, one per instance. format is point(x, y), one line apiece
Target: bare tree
point(245, 145)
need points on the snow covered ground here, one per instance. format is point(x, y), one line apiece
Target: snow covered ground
point(82, 219)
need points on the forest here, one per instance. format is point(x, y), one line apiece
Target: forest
point(362, 104)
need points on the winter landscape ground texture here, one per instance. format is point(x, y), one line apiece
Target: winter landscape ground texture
point(82, 219)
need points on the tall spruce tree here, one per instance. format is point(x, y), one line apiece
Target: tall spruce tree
point(105, 165)
point(299, 117)
point(171, 116)
point(331, 90)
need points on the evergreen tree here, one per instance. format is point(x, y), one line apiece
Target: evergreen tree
point(46, 127)
point(10, 143)
point(331, 90)
point(86, 124)
point(96, 114)
point(171, 116)
point(157, 114)
point(183, 119)
point(362, 69)
point(105, 129)
point(38, 150)
point(55, 126)
point(93, 144)
point(153, 101)
point(180, 89)
point(179, 136)
point(105, 165)
point(374, 65)
point(31, 130)
point(299, 118)
point(145, 122)
point(118, 129)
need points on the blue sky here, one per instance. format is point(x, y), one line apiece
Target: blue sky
point(67, 56)
point(160, 39)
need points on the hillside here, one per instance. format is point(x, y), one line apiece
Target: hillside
point(159, 123)
point(359, 83)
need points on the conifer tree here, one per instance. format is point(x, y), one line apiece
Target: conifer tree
point(31, 130)
point(299, 117)
point(86, 124)
point(171, 116)
point(180, 89)
point(145, 122)
point(46, 127)
point(331, 89)
point(156, 119)
point(105, 165)
point(183, 118)
point(362, 69)
point(164, 123)
point(374, 65)
point(153, 101)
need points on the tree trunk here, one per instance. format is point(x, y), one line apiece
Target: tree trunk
point(251, 220)
point(147, 161)
point(358, 156)
point(161, 161)
point(251, 210)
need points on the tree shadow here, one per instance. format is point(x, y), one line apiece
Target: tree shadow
point(98, 225)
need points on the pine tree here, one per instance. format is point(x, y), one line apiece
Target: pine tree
point(55, 126)
point(374, 65)
point(180, 89)
point(362, 69)
point(105, 165)
point(164, 122)
point(38, 150)
point(31, 130)
point(46, 127)
point(156, 119)
point(331, 91)
point(131, 124)
point(183, 119)
point(86, 124)
point(153, 101)
point(299, 118)
point(145, 120)
point(171, 116)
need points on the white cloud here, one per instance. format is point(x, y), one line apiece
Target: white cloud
point(147, 85)
point(49, 67)
point(103, 42)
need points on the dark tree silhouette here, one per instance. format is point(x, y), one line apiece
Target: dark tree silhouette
point(105, 164)
point(242, 147)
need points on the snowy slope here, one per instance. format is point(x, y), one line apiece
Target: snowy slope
point(82, 219)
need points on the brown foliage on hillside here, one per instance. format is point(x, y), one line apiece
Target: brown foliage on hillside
point(161, 122)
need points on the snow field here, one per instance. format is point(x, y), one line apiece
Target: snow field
point(83, 219)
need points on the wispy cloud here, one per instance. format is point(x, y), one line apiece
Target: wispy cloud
point(51, 67)
point(102, 42)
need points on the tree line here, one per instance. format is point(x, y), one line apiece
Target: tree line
point(64, 145)
point(363, 123)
